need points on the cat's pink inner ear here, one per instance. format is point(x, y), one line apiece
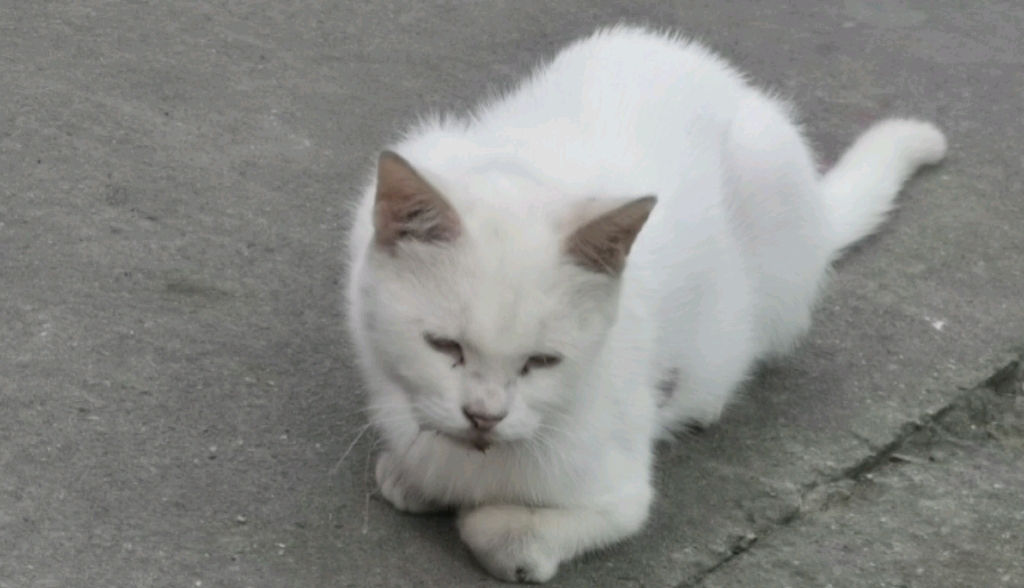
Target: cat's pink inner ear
point(408, 207)
point(603, 243)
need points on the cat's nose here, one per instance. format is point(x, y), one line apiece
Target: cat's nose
point(482, 421)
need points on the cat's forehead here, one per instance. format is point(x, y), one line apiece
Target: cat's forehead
point(510, 223)
point(509, 281)
point(502, 182)
point(513, 291)
point(513, 286)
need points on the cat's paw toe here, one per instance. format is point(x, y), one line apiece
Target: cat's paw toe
point(397, 489)
point(505, 542)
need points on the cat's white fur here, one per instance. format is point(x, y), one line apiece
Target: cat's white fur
point(725, 271)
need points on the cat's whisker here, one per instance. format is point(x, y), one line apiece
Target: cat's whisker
point(371, 488)
point(337, 466)
point(561, 431)
point(359, 433)
point(373, 409)
point(362, 428)
point(553, 447)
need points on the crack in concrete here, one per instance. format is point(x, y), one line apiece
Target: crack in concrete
point(1006, 381)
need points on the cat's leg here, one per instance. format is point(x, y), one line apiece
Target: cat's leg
point(776, 209)
point(710, 351)
point(390, 412)
point(397, 487)
point(523, 544)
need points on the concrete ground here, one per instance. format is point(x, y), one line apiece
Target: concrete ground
point(177, 401)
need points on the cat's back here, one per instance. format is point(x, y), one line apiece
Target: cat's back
point(615, 72)
point(607, 101)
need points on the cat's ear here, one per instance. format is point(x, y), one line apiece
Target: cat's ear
point(408, 207)
point(603, 242)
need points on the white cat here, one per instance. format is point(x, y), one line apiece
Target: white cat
point(524, 342)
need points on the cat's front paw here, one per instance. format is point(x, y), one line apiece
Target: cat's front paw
point(398, 489)
point(506, 541)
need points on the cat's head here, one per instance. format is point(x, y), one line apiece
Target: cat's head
point(489, 317)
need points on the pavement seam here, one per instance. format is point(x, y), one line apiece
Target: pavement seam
point(1002, 381)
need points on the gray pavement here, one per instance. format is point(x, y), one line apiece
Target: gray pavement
point(176, 391)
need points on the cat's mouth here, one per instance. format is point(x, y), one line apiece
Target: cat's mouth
point(473, 442)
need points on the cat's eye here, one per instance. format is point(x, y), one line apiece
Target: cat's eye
point(540, 361)
point(446, 346)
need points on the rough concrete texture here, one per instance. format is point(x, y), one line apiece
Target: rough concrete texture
point(942, 506)
point(176, 392)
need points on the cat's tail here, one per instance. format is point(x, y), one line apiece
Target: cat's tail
point(860, 189)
